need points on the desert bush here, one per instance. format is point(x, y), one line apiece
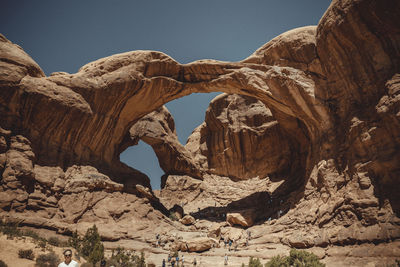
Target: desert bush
point(75, 241)
point(300, 258)
point(40, 241)
point(54, 241)
point(278, 261)
point(255, 262)
point(32, 234)
point(26, 254)
point(47, 260)
point(122, 258)
point(296, 258)
point(172, 216)
point(10, 229)
point(141, 262)
point(86, 264)
point(91, 247)
point(3, 264)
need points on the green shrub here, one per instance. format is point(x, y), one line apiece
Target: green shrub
point(26, 254)
point(278, 261)
point(10, 229)
point(32, 234)
point(300, 258)
point(40, 241)
point(255, 262)
point(3, 264)
point(47, 260)
point(92, 248)
point(75, 241)
point(172, 216)
point(122, 258)
point(54, 241)
point(297, 258)
point(141, 262)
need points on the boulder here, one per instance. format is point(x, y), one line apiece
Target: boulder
point(244, 217)
point(187, 220)
point(199, 244)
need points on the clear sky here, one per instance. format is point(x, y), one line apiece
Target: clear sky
point(65, 35)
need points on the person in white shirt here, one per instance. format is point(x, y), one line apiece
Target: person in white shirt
point(68, 262)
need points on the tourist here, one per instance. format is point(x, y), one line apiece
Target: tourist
point(226, 259)
point(194, 262)
point(230, 244)
point(163, 263)
point(68, 262)
point(183, 260)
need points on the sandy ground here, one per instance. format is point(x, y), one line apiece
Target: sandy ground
point(214, 258)
point(9, 250)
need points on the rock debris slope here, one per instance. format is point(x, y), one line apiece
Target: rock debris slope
point(305, 142)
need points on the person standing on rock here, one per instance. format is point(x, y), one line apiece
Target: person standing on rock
point(163, 263)
point(226, 259)
point(230, 244)
point(194, 262)
point(68, 262)
point(249, 234)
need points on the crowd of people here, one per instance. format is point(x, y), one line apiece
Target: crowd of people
point(172, 260)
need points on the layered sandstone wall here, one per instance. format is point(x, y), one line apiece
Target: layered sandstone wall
point(330, 131)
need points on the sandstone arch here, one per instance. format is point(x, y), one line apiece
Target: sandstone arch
point(112, 93)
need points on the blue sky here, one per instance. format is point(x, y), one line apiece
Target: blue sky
point(65, 35)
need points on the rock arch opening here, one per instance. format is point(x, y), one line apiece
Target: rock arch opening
point(143, 158)
point(188, 113)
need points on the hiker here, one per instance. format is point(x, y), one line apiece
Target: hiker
point(225, 242)
point(183, 260)
point(68, 262)
point(235, 245)
point(226, 259)
point(194, 262)
point(163, 263)
point(249, 234)
point(230, 244)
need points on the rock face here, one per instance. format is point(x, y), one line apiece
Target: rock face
point(311, 145)
point(158, 130)
point(240, 139)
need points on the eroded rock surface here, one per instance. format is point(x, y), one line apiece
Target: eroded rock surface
point(324, 106)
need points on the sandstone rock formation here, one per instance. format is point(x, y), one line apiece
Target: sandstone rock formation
point(312, 145)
